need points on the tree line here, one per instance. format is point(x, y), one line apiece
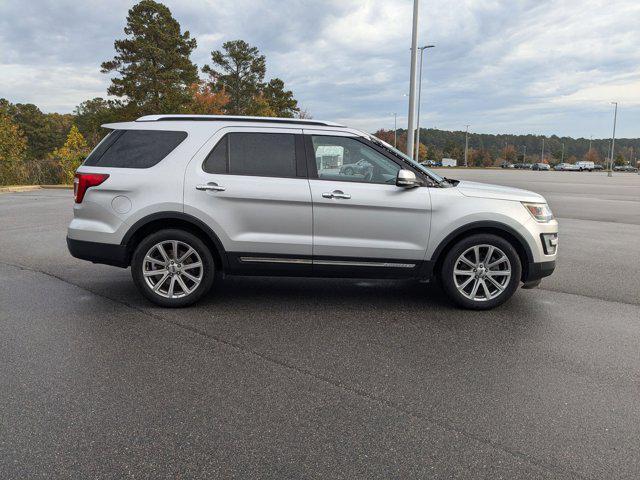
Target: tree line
point(152, 73)
point(486, 150)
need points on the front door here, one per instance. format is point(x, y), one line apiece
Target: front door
point(362, 222)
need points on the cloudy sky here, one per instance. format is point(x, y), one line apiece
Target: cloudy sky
point(510, 66)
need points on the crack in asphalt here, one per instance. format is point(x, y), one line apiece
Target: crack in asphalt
point(321, 378)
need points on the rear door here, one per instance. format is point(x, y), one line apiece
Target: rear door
point(363, 223)
point(250, 186)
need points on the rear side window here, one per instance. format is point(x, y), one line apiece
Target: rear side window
point(259, 154)
point(134, 148)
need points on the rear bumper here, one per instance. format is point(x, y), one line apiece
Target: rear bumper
point(537, 271)
point(106, 253)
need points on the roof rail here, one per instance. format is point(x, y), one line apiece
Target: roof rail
point(233, 118)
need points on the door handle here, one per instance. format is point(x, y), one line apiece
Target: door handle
point(211, 187)
point(336, 194)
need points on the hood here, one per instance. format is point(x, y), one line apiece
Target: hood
point(484, 190)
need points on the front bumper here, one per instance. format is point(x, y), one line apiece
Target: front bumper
point(106, 253)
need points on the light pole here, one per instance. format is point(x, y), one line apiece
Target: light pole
point(613, 138)
point(542, 154)
point(562, 159)
point(524, 155)
point(412, 80)
point(395, 129)
point(417, 157)
point(466, 146)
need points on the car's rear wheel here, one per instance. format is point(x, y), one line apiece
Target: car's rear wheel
point(481, 271)
point(173, 268)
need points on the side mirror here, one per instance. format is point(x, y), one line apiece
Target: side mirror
point(407, 179)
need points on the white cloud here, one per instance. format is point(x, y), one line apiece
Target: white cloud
point(532, 65)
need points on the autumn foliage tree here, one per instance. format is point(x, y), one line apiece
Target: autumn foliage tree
point(13, 145)
point(206, 101)
point(71, 154)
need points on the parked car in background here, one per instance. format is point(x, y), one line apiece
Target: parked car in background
point(566, 167)
point(506, 165)
point(541, 166)
point(179, 198)
point(625, 168)
point(598, 167)
point(361, 167)
point(583, 165)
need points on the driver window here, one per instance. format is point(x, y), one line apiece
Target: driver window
point(345, 159)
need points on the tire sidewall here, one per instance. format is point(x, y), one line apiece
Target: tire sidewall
point(446, 276)
point(197, 244)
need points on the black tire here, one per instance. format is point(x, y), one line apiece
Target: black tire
point(348, 171)
point(185, 238)
point(447, 278)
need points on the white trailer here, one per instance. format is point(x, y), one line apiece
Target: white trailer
point(449, 162)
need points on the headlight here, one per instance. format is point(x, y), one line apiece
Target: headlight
point(540, 211)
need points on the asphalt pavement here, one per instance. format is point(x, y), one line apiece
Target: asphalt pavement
point(325, 378)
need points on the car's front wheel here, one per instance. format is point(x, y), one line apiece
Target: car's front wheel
point(173, 268)
point(481, 271)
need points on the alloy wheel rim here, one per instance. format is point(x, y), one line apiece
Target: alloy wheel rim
point(482, 272)
point(172, 269)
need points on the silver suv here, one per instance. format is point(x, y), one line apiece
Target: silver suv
point(182, 197)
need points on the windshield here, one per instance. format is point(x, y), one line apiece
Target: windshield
point(404, 157)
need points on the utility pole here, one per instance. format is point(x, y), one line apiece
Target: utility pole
point(466, 146)
point(524, 155)
point(613, 138)
point(562, 159)
point(412, 80)
point(542, 154)
point(590, 140)
point(417, 157)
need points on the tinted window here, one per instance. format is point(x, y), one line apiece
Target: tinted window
point(348, 160)
point(260, 154)
point(216, 161)
point(135, 148)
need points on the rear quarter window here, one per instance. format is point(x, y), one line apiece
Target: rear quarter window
point(134, 148)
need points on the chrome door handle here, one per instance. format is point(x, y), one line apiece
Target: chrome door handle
point(336, 194)
point(211, 186)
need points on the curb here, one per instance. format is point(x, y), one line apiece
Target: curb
point(19, 188)
point(30, 188)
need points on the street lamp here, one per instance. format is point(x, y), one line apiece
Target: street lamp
point(613, 138)
point(417, 157)
point(466, 146)
point(412, 79)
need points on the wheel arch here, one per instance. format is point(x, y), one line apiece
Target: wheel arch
point(183, 221)
point(496, 228)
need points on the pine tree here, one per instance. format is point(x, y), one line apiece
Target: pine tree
point(153, 65)
point(280, 100)
point(239, 70)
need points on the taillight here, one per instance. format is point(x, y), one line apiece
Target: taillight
point(82, 181)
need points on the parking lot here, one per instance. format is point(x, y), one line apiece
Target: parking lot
point(325, 378)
